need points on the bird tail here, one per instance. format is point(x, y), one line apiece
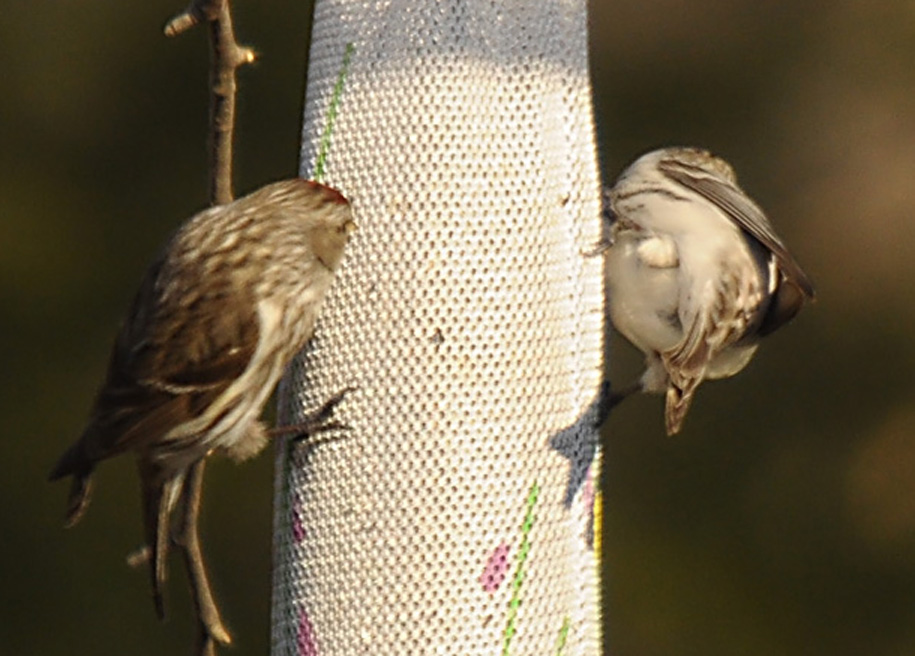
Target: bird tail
point(677, 405)
point(160, 493)
point(75, 463)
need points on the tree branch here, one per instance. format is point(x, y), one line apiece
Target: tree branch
point(226, 57)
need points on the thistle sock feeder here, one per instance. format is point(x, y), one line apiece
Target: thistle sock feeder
point(457, 514)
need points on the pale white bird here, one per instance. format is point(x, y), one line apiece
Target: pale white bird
point(695, 273)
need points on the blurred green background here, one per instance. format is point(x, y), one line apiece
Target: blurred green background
point(782, 519)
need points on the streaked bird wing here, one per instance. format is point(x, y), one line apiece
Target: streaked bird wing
point(173, 357)
point(743, 211)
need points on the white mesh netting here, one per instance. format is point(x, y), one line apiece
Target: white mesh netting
point(456, 517)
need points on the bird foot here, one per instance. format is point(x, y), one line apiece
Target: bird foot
point(608, 400)
point(320, 421)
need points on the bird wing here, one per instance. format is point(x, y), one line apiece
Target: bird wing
point(745, 214)
point(173, 357)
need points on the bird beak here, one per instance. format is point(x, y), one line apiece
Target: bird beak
point(602, 246)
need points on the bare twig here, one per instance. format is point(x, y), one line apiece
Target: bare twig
point(210, 628)
point(226, 57)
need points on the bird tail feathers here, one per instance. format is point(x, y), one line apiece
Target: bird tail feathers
point(75, 463)
point(160, 494)
point(677, 405)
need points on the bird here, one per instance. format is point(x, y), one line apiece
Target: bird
point(228, 302)
point(695, 274)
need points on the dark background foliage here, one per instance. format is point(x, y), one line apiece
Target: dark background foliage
point(781, 521)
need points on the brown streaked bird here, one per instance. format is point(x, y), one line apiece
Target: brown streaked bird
point(231, 299)
point(695, 273)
